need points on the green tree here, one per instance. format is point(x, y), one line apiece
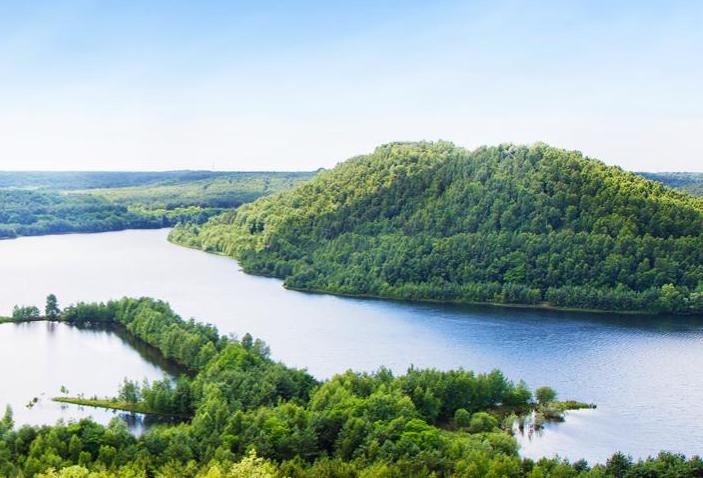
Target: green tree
point(545, 395)
point(51, 310)
point(26, 312)
point(7, 422)
point(129, 392)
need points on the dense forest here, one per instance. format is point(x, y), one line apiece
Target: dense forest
point(250, 416)
point(506, 224)
point(689, 182)
point(60, 202)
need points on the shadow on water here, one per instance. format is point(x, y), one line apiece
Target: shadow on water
point(147, 352)
point(137, 423)
point(523, 315)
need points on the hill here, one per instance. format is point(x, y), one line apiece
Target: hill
point(506, 224)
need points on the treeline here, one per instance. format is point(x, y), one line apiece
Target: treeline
point(506, 224)
point(31, 213)
point(188, 343)
point(254, 417)
point(224, 191)
point(173, 199)
point(80, 180)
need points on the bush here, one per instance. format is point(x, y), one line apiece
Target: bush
point(482, 422)
point(462, 418)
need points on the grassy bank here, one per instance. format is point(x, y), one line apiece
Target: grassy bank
point(112, 404)
point(10, 320)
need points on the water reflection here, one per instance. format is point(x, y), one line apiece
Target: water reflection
point(147, 352)
point(38, 359)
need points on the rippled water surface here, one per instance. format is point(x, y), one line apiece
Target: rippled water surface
point(644, 373)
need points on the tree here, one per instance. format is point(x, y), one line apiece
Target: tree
point(545, 395)
point(7, 422)
point(617, 465)
point(129, 392)
point(52, 310)
point(25, 312)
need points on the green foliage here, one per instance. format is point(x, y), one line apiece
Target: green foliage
point(689, 182)
point(462, 418)
point(188, 343)
point(31, 213)
point(253, 417)
point(545, 395)
point(149, 200)
point(227, 190)
point(482, 422)
point(96, 180)
point(507, 224)
point(51, 310)
point(25, 312)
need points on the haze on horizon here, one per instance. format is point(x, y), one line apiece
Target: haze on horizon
point(94, 85)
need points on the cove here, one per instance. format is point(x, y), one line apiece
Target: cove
point(38, 359)
point(605, 359)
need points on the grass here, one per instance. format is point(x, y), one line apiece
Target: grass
point(112, 404)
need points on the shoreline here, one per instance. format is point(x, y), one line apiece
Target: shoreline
point(109, 404)
point(543, 306)
point(68, 233)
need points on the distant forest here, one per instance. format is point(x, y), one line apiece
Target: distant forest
point(689, 182)
point(36, 203)
point(76, 180)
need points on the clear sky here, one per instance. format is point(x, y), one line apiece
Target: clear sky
point(167, 84)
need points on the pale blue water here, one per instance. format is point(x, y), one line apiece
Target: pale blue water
point(38, 359)
point(644, 373)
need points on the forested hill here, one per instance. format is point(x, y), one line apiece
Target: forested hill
point(506, 224)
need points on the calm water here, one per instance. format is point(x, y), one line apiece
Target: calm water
point(38, 359)
point(644, 374)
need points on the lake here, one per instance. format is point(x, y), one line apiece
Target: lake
point(643, 373)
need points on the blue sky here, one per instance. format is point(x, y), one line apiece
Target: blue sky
point(154, 85)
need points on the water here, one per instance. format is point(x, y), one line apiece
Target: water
point(38, 359)
point(644, 373)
